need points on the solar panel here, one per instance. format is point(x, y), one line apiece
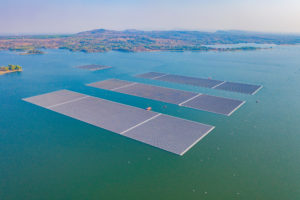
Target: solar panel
point(194, 100)
point(157, 93)
point(93, 67)
point(239, 87)
point(152, 128)
point(200, 82)
point(151, 75)
point(54, 98)
point(204, 82)
point(183, 136)
point(110, 84)
point(214, 104)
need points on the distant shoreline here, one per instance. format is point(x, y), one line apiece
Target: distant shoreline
point(102, 40)
point(32, 52)
point(233, 49)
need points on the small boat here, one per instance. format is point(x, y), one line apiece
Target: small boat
point(149, 108)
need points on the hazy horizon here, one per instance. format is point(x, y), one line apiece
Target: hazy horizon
point(178, 29)
point(42, 17)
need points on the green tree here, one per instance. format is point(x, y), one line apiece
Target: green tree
point(11, 67)
point(18, 67)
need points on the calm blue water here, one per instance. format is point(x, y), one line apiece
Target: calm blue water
point(253, 154)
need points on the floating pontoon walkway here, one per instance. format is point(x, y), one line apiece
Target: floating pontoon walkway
point(194, 100)
point(165, 132)
point(201, 82)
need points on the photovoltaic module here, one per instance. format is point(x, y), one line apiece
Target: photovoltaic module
point(219, 105)
point(172, 134)
point(202, 82)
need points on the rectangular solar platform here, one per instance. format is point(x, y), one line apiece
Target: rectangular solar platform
point(94, 67)
point(202, 82)
point(194, 100)
point(162, 131)
point(239, 87)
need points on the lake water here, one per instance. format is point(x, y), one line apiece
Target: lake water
point(253, 154)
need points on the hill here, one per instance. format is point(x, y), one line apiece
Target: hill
point(101, 40)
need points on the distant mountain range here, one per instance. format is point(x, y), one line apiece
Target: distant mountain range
point(101, 40)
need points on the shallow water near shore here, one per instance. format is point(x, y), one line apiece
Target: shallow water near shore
point(253, 154)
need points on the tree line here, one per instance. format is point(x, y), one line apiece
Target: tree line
point(11, 67)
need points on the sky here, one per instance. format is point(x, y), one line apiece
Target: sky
point(72, 16)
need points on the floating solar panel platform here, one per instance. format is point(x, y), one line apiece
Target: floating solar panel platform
point(202, 82)
point(152, 75)
point(239, 87)
point(194, 100)
point(162, 131)
point(94, 67)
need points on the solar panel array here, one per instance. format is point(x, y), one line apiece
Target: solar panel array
point(202, 82)
point(172, 134)
point(158, 130)
point(194, 100)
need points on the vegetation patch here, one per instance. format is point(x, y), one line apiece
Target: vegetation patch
point(10, 68)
